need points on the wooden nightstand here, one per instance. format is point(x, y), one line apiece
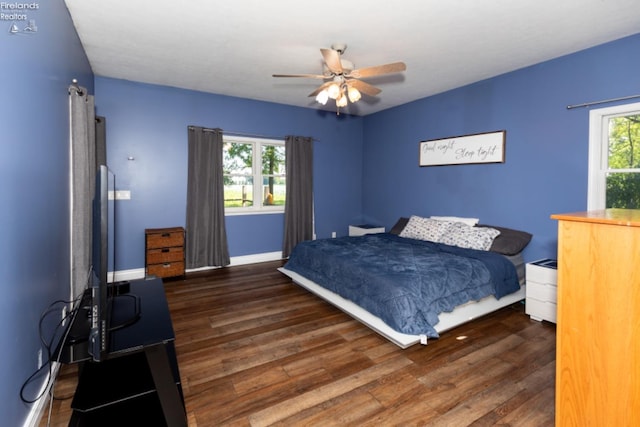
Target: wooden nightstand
point(361, 230)
point(542, 290)
point(164, 252)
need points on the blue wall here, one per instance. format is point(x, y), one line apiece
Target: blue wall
point(34, 181)
point(149, 123)
point(366, 169)
point(545, 171)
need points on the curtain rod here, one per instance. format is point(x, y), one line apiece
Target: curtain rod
point(248, 135)
point(604, 101)
point(74, 85)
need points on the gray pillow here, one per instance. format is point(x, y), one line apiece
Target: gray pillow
point(399, 226)
point(509, 241)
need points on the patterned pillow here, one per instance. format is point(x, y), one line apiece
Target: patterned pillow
point(424, 229)
point(468, 221)
point(464, 236)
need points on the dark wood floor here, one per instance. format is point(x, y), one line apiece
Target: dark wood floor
point(256, 349)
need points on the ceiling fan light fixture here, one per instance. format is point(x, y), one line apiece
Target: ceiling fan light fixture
point(342, 81)
point(341, 101)
point(354, 94)
point(333, 91)
point(322, 97)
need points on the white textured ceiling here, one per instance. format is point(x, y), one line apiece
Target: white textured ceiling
point(234, 47)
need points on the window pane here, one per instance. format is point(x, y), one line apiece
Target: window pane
point(273, 160)
point(273, 190)
point(254, 174)
point(238, 175)
point(624, 142)
point(238, 192)
point(237, 158)
point(623, 190)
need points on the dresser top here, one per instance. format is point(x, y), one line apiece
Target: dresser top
point(627, 217)
point(164, 230)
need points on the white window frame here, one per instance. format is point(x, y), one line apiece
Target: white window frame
point(257, 207)
point(598, 151)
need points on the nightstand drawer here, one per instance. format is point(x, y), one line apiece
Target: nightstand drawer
point(542, 291)
point(165, 239)
point(167, 269)
point(541, 310)
point(542, 271)
point(158, 256)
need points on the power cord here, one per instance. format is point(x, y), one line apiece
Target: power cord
point(48, 346)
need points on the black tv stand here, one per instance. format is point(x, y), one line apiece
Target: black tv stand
point(125, 311)
point(138, 383)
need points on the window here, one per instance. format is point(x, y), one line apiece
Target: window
point(614, 157)
point(254, 175)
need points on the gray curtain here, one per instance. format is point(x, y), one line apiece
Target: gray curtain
point(298, 209)
point(83, 169)
point(206, 244)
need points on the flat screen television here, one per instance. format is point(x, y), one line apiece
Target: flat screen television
point(112, 306)
point(101, 300)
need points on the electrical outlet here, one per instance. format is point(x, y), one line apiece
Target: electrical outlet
point(39, 358)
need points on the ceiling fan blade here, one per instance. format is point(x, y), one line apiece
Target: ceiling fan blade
point(377, 70)
point(363, 87)
point(320, 88)
point(332, 59)
point(309, 76)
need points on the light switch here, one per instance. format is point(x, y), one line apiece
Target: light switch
point(123, 195)
point(120, 195)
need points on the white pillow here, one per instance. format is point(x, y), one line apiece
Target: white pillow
point(469, 221)
point(424, 229)
point(465, 236)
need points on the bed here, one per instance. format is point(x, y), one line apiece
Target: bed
point(422, 278)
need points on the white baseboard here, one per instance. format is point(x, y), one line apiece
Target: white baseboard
point(39, 407)
point(118, 276)
point(254, 259)
point(138, 273)
point(246, 259)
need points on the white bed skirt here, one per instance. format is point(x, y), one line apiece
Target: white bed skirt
point(461, 314)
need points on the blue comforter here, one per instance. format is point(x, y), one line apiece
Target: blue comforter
point(405, 282)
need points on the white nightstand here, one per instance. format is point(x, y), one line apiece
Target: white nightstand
point(542, 290)
point(361, 230)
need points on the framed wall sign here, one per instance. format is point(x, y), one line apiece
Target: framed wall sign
point(467, 149)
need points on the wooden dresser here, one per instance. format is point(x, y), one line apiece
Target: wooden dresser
point(164, 252)
point(598, 329)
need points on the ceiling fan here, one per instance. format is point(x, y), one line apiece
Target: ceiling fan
point(343, 80)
